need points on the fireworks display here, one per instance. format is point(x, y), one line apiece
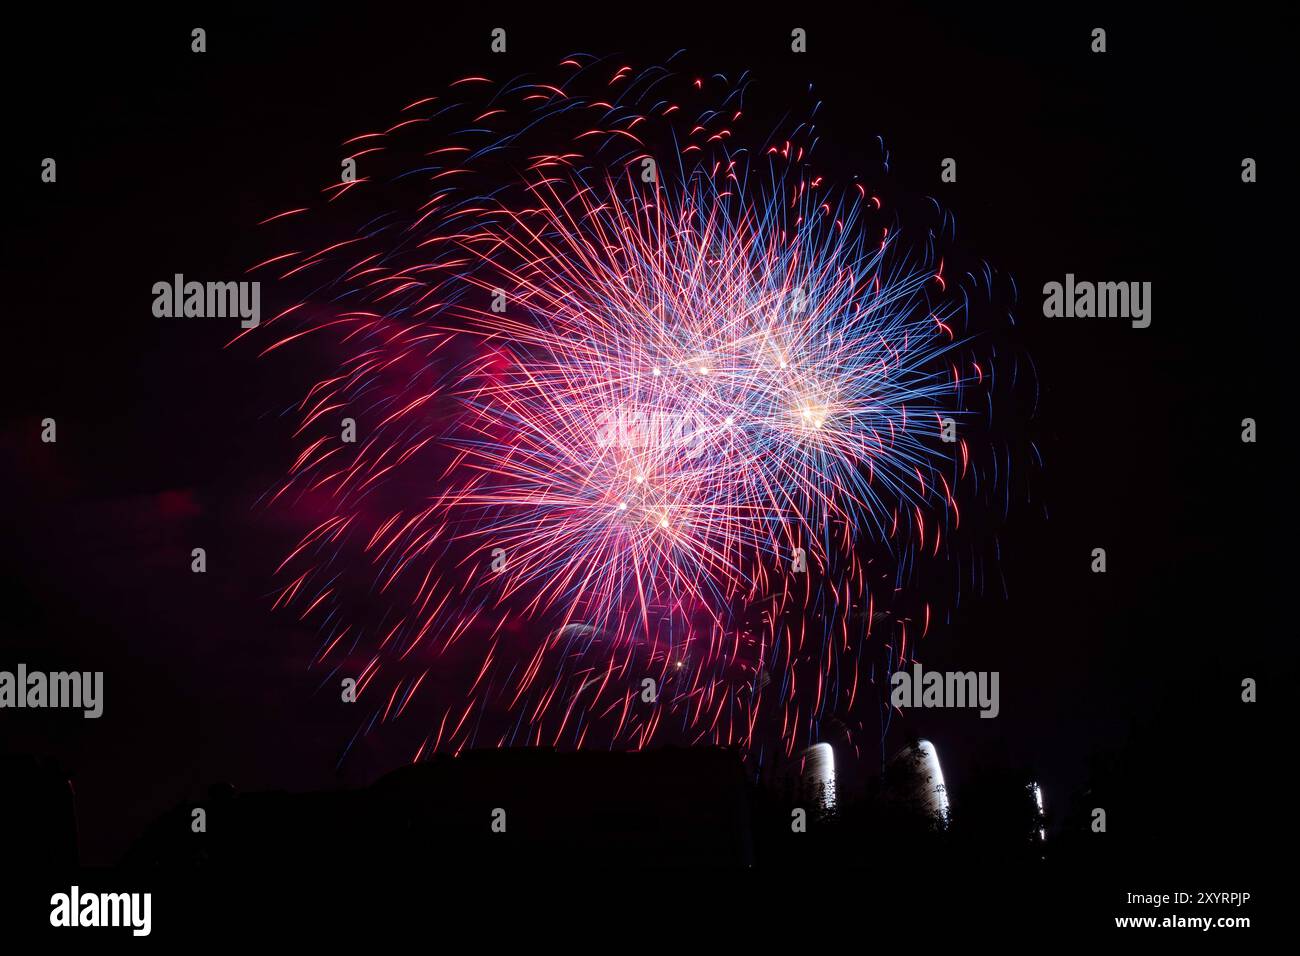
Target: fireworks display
point(441, 459)
point(637, 426)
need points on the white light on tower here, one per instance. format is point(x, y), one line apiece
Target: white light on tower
point(916, 780)
point(818, 775)
point(1037, 791)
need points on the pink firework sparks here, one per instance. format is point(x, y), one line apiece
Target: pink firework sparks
point(638, 415)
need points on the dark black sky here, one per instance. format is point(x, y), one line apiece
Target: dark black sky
point(1124, 166)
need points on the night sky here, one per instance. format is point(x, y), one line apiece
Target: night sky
point(1120, 167)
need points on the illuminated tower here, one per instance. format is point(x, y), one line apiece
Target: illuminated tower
point(914, 779)
point(817, 776)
